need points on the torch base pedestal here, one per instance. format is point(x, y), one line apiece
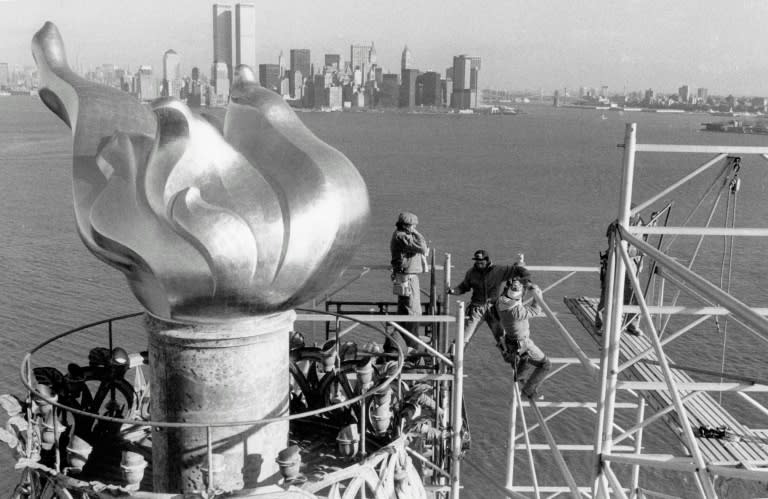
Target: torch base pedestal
point(230, 371)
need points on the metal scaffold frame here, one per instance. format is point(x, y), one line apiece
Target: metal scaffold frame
point(703, 470)
point(678, 393)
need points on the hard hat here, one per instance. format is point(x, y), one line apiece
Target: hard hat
point(481, 255)
point(407, 218)
point(513, 291)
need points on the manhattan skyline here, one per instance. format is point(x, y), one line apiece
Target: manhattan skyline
point(524, 44)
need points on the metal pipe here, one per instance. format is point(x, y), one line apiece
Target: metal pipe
point(599, 480)
point(364, 271)
point(556, 452)
point(666, 340)
point(28, 360)
point(458, 396)
point(347, 329)
point(652, 419)
point(531, 464)
point(561, 268)
point(418, 340)
point(701, 149)
point(573, 447)
point(700, 231)
point(511, 441)
point(583, 358)
point(550, 416)
point(662, 282)
point(722, 374)
point(635, 480)
point(709, 290)
point(661, 461)
point(729, 472)
point(618, 490)
point(708, 311)
point(363, 421)
point(693, 446)
point(562, 279)
point(617, 299)
point(645, 204)
point(426, 461)
point(702, 386)
point(755, 403)
point(447, 283)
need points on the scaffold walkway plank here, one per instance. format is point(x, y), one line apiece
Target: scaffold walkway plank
point(745, 447)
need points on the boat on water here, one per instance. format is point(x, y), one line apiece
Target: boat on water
point(730, 126)
point(737, 126)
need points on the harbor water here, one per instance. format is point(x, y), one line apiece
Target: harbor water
point(544, 183)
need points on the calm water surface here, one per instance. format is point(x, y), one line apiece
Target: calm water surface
point(543, 183)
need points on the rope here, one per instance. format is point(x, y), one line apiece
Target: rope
point(727, 248)
point(693, 211)
point(716, 201)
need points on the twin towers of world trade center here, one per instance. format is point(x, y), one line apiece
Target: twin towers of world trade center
point(233, 36)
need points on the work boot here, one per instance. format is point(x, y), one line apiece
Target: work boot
point(634, 330)
point(533, 394)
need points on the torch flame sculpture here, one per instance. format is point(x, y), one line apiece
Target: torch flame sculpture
point(220, 233)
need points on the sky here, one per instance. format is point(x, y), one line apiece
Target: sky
point(524, 44)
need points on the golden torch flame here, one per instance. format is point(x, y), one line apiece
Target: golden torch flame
point(206, 224)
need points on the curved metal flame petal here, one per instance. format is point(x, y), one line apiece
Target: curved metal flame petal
point(205, 226)
point(93, 112)
point(323, 197)
point(230, 250)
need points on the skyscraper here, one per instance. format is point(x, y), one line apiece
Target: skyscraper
point(390, 90)
point(245, 34)
point(172, 81)
point(5, 74)
point(360, 57)
point(269, 76)
point(465, 81)
point(222, 36)
point(146, 88)
point(220, 77)
point(295, 84)
point(194, 98)
point(300, 61)
point(408, 88)
point(406, 61)
point(431, 93)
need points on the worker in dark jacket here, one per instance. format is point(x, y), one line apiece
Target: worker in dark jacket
point(635, 267)
point(485, 280)
point(409, 249)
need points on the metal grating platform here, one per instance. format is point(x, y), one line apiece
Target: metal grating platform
point(748, 450)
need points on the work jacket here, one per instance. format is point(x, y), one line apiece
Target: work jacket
point(486, 283)
point(514, 315)
point(407, 250)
